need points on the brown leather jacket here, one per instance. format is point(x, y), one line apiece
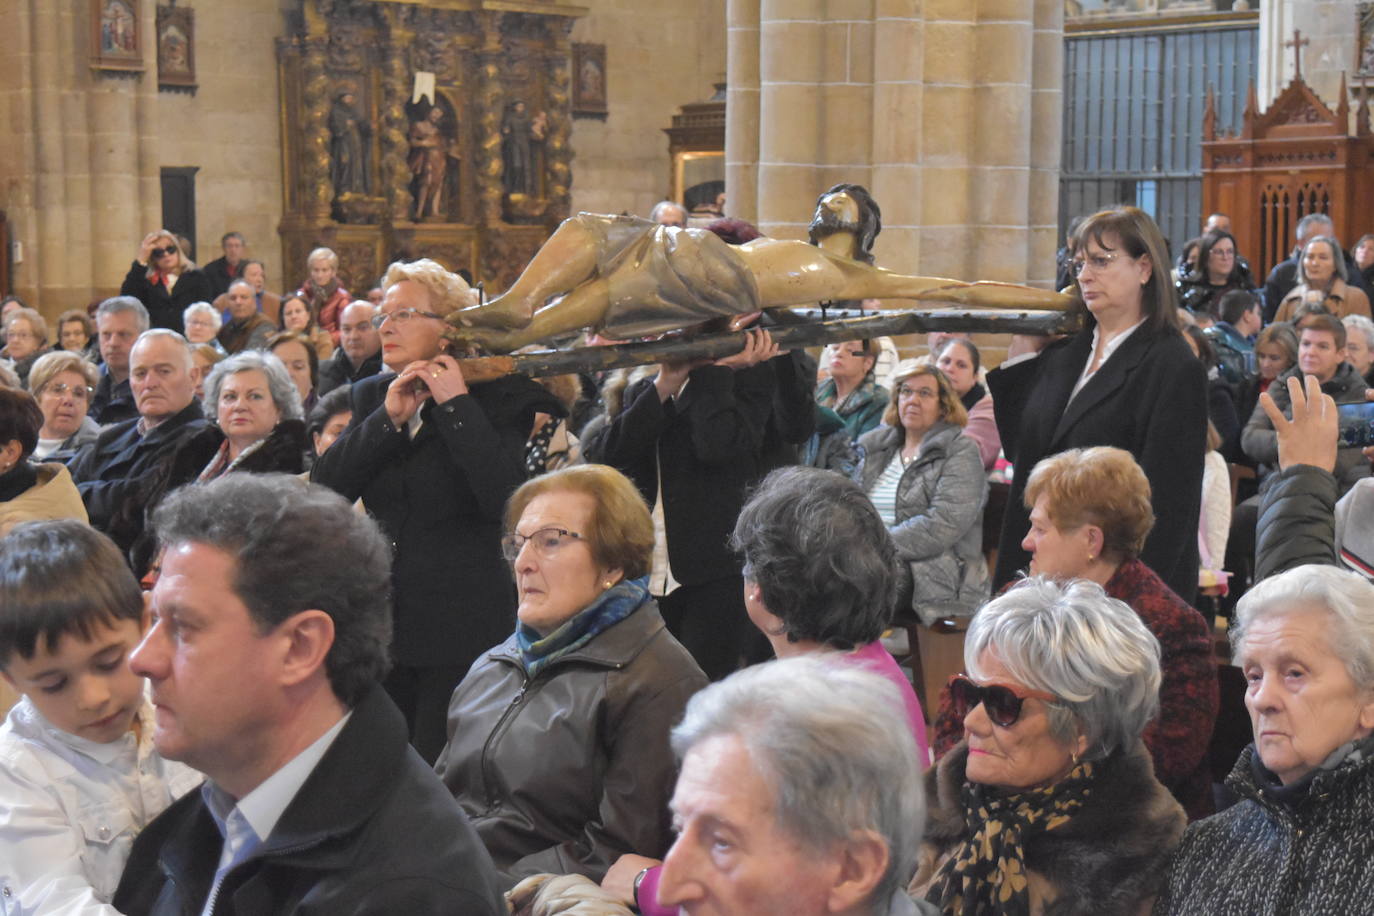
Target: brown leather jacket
point(566, 772)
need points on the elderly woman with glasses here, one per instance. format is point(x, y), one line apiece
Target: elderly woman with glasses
point(26, 339)
point(1050, 804)
point(434, 460)
point(558, 737)
point(1322, 281)
point(925, 477)
point(63, 383)
point(1299, 840)
point(165, 280)
point(1127, 380)
point(30, 491)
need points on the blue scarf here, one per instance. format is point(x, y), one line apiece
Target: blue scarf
point(613, 606)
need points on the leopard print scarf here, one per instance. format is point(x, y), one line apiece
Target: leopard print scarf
point(987, 873)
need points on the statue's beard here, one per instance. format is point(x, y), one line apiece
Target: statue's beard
point(828, 222)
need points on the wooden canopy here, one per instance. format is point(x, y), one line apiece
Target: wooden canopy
point(1294, 159)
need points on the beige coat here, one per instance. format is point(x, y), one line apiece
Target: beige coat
point(1342, 300)
point(53, 496)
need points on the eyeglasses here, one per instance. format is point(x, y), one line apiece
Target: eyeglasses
point(401, 316)
point(159, 252)
point(547, 542)
point(1002, 702)
point(1098, 262)
point(79, 392)
point(922, 392)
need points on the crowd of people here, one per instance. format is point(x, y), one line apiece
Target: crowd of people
point(302, 618)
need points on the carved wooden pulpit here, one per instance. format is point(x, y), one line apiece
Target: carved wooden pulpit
point(435, 128)
point(1296, 158)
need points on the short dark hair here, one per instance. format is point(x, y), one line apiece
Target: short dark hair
point(296, 547)
point(1322, 321)
point(821, 556)
point(311, 353)
point(337, 401)
point(870, 219)
point(232, 235)
point(20, 418)
point(60, 578)
point(1234, 305)
point(1138, 235)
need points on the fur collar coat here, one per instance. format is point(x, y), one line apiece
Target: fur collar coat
point(1110, 858)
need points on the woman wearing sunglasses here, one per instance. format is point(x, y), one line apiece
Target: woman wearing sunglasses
point(558, 738)
point(165, 280)
point(434, 460)
point(1050, 802)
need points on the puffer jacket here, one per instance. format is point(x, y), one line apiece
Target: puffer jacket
point(565, 772)
point(1297, 521)
point(1300, 849)
point(1261, 442)
point(939, 530)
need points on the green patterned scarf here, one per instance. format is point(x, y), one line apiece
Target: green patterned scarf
point(613, 606)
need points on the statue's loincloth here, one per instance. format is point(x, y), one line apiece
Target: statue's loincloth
point(661, 277)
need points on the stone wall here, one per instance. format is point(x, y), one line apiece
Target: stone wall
point(1330, 28)
point(659, 56)
point(82, 151)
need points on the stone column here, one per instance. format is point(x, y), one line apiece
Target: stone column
point(948, 110)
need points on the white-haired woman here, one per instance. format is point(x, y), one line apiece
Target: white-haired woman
point(1299, 840)
point(1322, 281)
point(434, 460)
point(203, 322)
point(1050, 804)
point(165, 280)
point(259, 429)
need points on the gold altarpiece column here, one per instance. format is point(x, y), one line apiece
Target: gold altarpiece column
point(425, 128)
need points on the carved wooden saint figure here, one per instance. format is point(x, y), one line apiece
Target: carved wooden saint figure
point(429, 154)
point(348, 146)
point(517, 154)
point(628, 277)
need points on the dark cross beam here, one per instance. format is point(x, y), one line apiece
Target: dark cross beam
point(1297, 45)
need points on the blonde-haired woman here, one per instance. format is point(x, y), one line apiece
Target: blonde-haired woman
point(434, 460)
point(26, 339)
point(323, 291)
point(926, 479)
point(165, 280)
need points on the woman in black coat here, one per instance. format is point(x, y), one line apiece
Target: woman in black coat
point(165, 280)
point(1127, 379)
point(434, 461)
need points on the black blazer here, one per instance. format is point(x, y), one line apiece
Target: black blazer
point(727, 430)
point(440, 498)
point(1149, 398)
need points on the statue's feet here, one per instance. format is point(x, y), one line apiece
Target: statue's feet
point(495, 314)
point(482, 341)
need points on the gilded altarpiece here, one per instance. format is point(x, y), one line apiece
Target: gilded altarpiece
point(436, 129)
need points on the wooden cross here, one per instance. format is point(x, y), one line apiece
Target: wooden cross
point(1297, 44)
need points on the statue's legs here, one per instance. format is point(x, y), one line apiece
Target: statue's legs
point(584, 307)
point(566, 261)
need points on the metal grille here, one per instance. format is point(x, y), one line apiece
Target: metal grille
point(1133, 105)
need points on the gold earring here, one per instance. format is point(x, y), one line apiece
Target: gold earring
point(607, 584)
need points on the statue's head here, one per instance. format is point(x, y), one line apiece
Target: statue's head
point(436, 114)
point(847, 208)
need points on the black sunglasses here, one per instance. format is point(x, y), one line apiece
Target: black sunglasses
point(159, 252)
point(1002, 702)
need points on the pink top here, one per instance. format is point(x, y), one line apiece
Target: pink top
point(880, 661)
